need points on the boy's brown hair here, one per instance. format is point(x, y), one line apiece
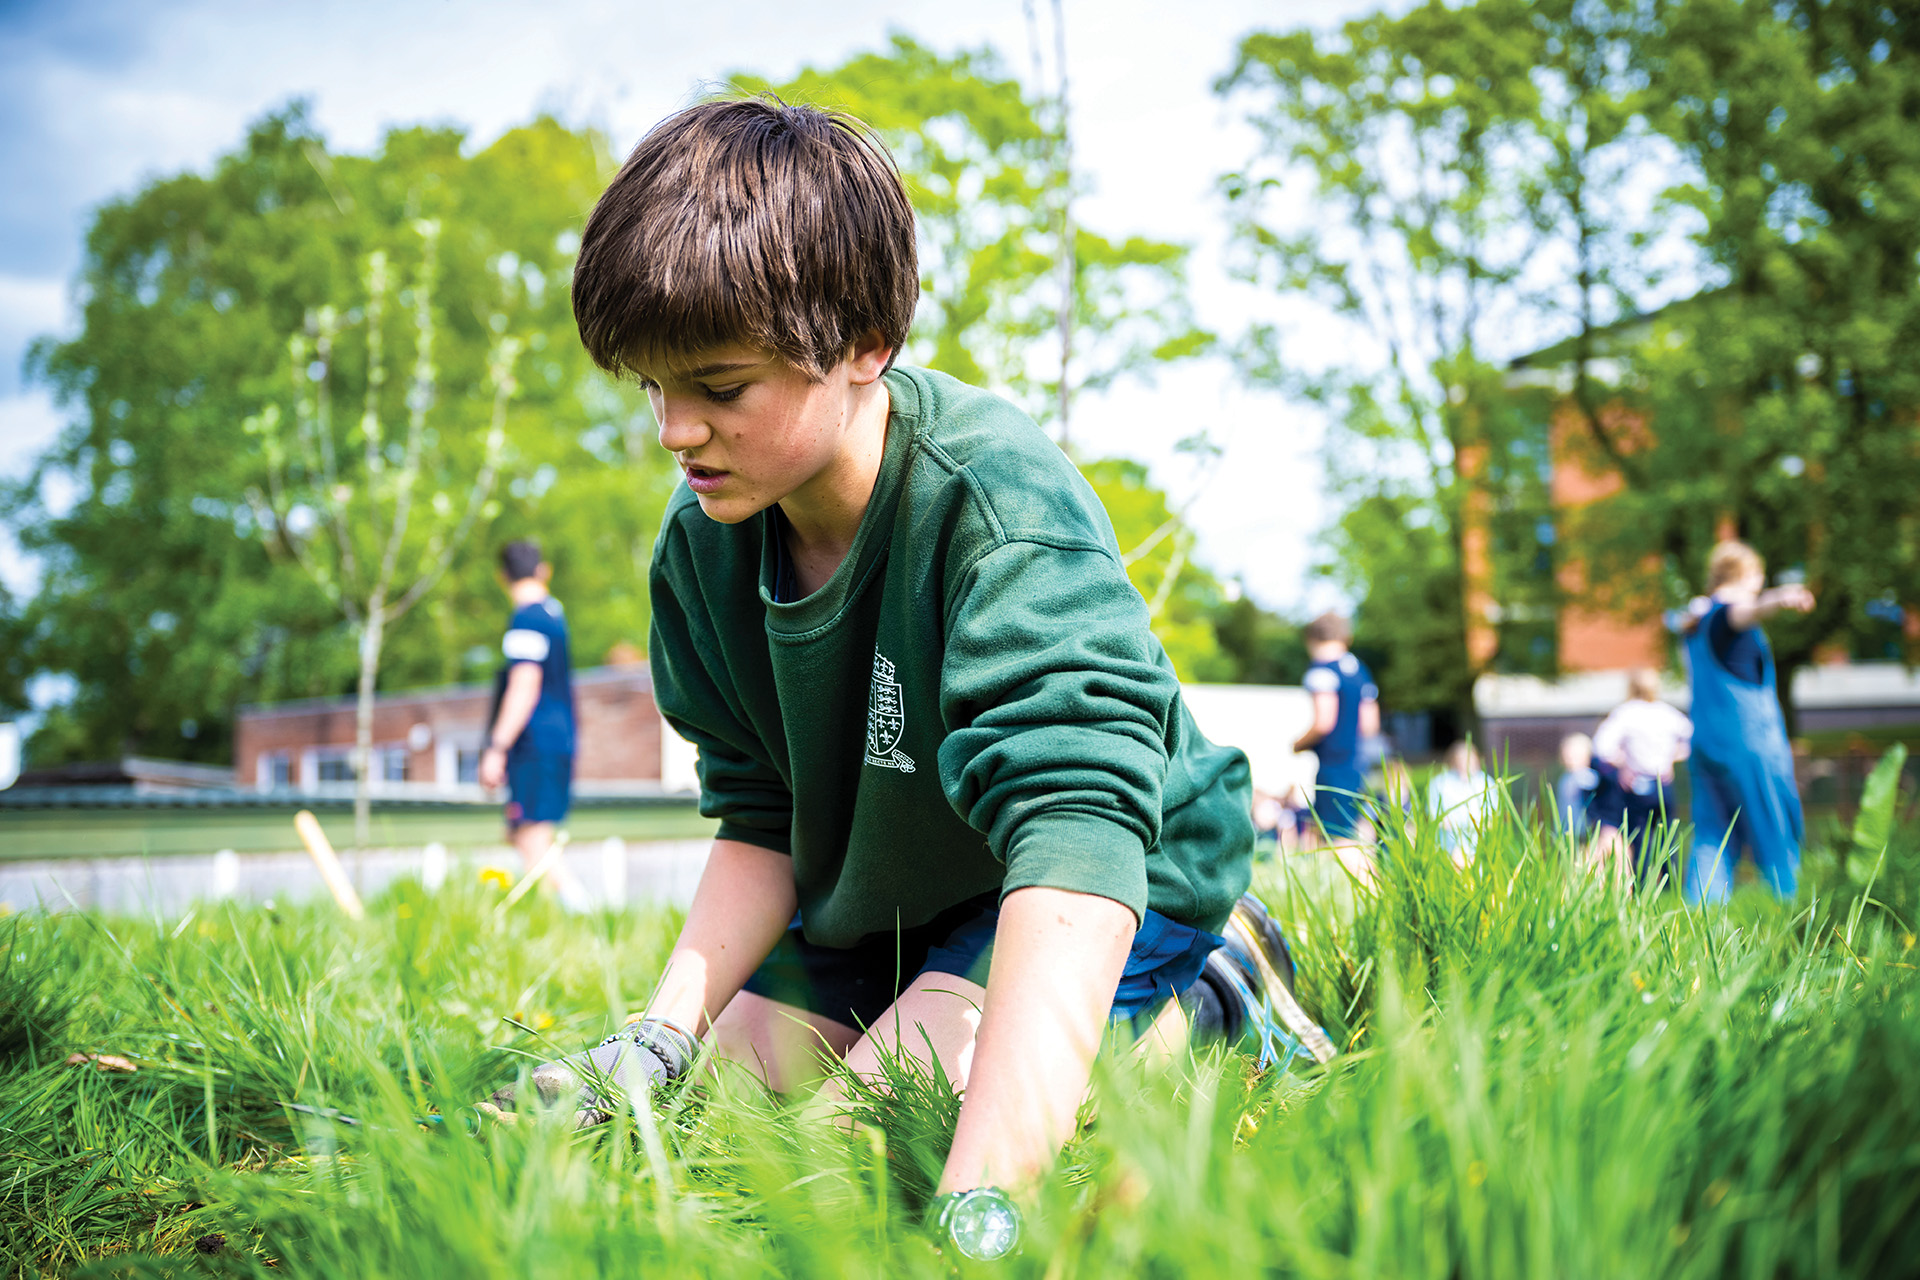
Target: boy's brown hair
point(1328, 627)
point(1731, 561)
point(748, 221)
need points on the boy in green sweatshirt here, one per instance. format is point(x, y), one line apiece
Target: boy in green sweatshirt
point(963, 810)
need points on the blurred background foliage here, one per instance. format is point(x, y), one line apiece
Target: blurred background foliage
point(160, 601)
point(1708, 211)
point(1572, 167)
point(159, 598)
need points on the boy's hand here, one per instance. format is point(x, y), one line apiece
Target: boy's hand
point(493, 768)
point(1794, 596)
point(630, 1062)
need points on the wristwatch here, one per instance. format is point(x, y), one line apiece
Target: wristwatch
point(984, 1223)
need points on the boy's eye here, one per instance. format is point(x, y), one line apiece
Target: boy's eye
point(720, 395)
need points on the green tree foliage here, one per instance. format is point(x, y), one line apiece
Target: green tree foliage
point(1264, 647)
point(1785, 400)
point(1181, 596)
point(984, 165)
point(985, 171)
point(159, 597)
point(376, 507)
point(1412, 134)
point(165, 603)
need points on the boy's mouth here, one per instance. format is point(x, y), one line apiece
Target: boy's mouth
point(705, 479)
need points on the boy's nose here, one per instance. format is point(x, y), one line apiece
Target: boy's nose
point(681, 424)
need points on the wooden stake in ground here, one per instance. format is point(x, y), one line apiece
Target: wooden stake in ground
point(548, 861)
point(320, 849)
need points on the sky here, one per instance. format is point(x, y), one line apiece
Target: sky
point(98, 97)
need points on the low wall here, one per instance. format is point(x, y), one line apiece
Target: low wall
point(613, 873)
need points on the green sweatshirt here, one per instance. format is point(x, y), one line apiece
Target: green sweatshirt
point(973, 701)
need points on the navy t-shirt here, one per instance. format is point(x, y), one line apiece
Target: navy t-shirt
point(537, 633)
point(1740, 652)
point(1349, 678)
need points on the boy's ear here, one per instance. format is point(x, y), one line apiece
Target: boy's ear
point(868, 357)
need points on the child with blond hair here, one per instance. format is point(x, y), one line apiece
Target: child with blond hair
point(1744, 794)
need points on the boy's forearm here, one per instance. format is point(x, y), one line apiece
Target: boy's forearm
point(1326, 714)
point(1057, 958)
point(744, 902)
point(1744, 617)
point(522, 695)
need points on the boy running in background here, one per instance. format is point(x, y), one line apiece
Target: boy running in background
point(1742, 771)
point(530, 740)
point(1346, 712)
point(965, 816)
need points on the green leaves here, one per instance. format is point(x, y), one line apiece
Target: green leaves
point(193, 286)
point(1873, 825)
point(987, 174)
point(1773, 401)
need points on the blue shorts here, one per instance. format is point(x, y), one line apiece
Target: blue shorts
point(1337, 790)
point(539, 788)
point(855, 985)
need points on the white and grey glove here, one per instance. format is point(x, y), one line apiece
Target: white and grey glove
point(644, 1053)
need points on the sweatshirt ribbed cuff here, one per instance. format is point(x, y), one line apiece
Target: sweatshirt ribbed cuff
point(1080, 853)
point(777, 841)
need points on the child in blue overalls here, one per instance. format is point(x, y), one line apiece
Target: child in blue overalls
point(1742, 767)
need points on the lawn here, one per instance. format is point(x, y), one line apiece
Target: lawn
point(1542, 1077)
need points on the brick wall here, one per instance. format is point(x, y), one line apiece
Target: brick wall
point(618, 724)
point(619, 728)
point(1613, 625)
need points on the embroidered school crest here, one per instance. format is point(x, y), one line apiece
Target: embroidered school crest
point(886, 719)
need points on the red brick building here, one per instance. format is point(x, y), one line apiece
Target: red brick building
point(1608, 626)
point(429, 740)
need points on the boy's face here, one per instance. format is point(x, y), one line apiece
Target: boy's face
point(749, 430)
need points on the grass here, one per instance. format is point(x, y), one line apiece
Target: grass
point(1542, 1078)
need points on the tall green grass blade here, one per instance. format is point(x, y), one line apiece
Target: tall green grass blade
point(1873, 825)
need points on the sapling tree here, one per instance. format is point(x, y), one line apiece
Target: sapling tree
point(375, 514)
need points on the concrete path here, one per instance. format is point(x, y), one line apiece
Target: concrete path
point(612, 872)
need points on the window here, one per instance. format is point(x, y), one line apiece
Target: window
point(274, 772)
point(391, 764)
point(467, 765)
point(335, 764)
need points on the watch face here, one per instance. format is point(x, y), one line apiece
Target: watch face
point(984, 1224)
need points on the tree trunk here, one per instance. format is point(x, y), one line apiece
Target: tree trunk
point(371, 637)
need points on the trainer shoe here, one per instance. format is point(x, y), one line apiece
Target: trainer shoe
point(643, 1053)
point(1257, 966)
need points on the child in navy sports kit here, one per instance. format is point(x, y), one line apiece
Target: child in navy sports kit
point(965, 816)
point(1346, 714)
point(530, 740)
